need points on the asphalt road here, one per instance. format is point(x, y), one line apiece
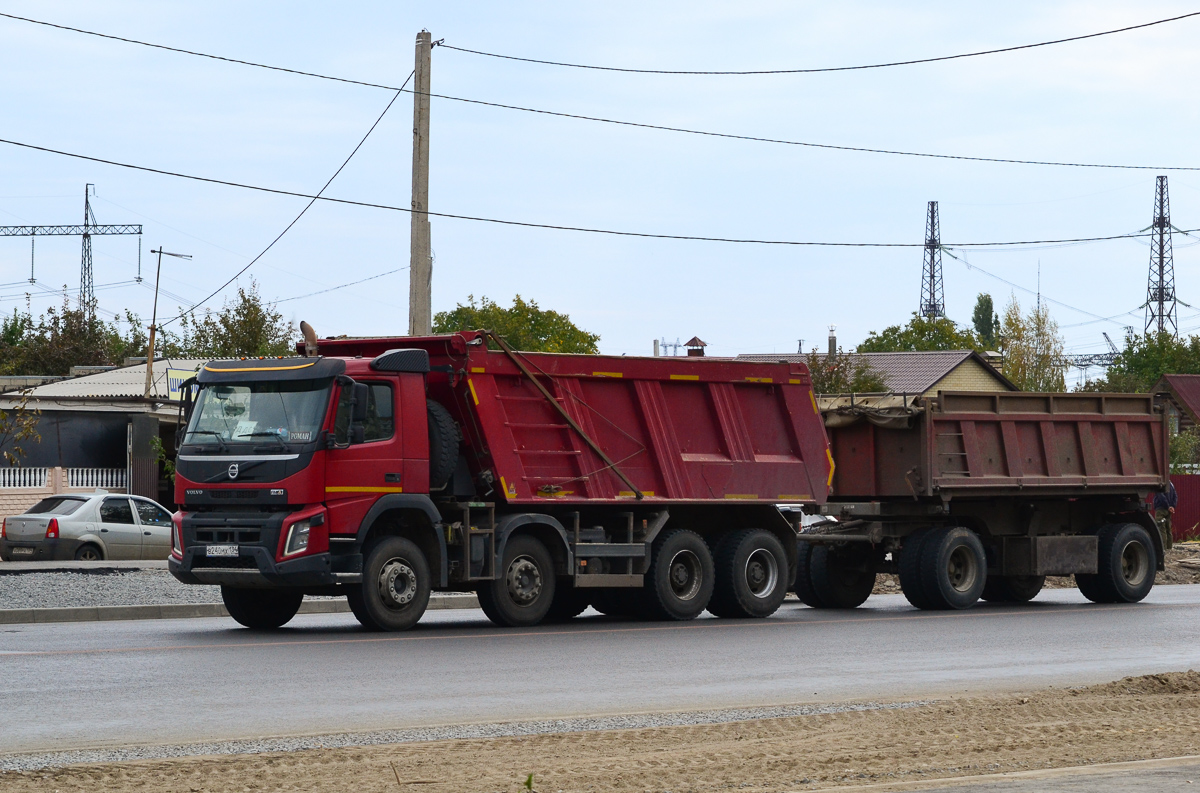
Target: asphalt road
point(80, 685)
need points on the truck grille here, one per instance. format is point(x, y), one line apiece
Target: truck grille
point(228, 535)
point(226, 562)
point(248, 494)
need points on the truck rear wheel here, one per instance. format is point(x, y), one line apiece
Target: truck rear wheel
point(680, 581)
point(1013, 588)
point(522, 594)
point(261, 609)
point(1125, 569)
point(751, 575)
point(911, 583)
point(842, 578)
point(802, 584)
point(625, 603)
point(395, 586)
point(953, 568)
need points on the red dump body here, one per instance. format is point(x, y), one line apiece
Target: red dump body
point(677, 428)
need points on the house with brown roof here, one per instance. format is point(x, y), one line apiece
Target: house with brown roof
point(923, 373)
point(1182, 392)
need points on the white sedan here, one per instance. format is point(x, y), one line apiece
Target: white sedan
point(88, 527)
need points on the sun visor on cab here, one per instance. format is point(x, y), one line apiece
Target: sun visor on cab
point(246, 370)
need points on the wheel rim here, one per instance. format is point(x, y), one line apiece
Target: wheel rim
point(962, 569)
point(397, 584)
point(762, 573)
point(686, 575)
point(1135, 563)
point(524, 580)
point(89, 555)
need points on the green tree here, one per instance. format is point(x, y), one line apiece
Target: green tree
point(1145, 359)
point(245, 326)
point(1033, 349)
point(17, 425)
point(985, 321)
point(64, 337)
point(524, 325)
point(842, 374)
point(920, 334)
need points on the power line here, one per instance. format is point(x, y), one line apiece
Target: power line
point(343, 286)
point(827, 69)
point(296, 219)
point(556, 227)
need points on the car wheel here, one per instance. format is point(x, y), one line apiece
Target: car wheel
point(89, 553)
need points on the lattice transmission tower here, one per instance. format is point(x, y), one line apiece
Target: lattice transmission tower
point(933, 298)
point(1161, 312)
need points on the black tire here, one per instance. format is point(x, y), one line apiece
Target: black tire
point(910, 570)
point(1013, 588)
point(568, 602)
point(1125, 568)
point(751, 575)
point(622, 603)
point(802, 584)
point(395, 587)
point(89, 552)
point(953, 568)
point(842, 577)
point(261, 609)
point(680, 580)
point(523, 591)
point(444, 440)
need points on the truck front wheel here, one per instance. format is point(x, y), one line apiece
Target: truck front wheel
point(751, 575)
point(395, 587)
point(261, 609)
point(679, 582)
point(522, 594)
point(1125, 568)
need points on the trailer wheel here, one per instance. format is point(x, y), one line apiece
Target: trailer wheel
point(679, 582)
point(953, 568)
point(751, 575)
point(802, 584)
point(395, 586)
point(1125, 569)
point(568, 602)
point(1013, 588)
point(261, 609)
point(841, 577)
point(443, 445)
point(911, 583)
point(523, 592)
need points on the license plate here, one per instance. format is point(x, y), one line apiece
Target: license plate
point(22, 552)
point(222, 550)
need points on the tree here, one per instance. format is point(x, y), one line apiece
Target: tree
point(1033, 349)
point(1145, 359)
point(17, 425)
point(842, 374)
point(985, 321)
point(920, 334)
point(64, 337)
point(245, 326)
point(524, 326)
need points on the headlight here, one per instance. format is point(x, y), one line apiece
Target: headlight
point(177, 534)
point(297, 540)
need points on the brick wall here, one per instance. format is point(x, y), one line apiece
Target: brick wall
point(970, 375)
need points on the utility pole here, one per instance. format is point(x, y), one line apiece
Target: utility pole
point(1161, 312)
point(154, 318)
point(933, 298)
point(420, 269)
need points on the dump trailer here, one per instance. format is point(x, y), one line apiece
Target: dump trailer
point(969, 495)
point(382, 469)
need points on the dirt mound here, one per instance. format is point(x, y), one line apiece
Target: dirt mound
point(1167, 683)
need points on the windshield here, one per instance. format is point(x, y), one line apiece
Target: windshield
point(57, 505)
point(266, 412)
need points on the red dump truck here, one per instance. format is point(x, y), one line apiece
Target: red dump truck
point(969, 495)
point(382, 469)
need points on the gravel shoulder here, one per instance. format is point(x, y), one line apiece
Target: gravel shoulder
point(1155, 716)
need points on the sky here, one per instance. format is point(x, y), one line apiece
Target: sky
point(1129, 98)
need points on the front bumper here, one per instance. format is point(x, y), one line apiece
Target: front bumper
point(256, 567)
point(39, 550)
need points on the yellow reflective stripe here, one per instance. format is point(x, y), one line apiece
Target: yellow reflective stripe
point(794, 497)
point(813, 397)
point(364, 490)
point(741, 495)
point(832, 466)
point(477, 370)
point(208, 368)
point(796, 382)
point(471, 386)
point(631, 494)
point(607, 374)
point(760, 379)
point(685, 377)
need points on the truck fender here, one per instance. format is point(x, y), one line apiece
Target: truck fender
point(412, 502)
point(1146, 521)
point(510, 523)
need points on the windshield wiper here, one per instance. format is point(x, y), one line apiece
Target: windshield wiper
point(215, 434)
point(282, 444)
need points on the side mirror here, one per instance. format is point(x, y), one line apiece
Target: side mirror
point(358, 413)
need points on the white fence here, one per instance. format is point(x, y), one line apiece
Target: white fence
point(24, 478)
point(103, 478)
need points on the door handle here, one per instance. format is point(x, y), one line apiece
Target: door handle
point(146, 533)
point(103, 530)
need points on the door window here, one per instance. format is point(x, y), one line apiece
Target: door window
point(381, 421)
point(152, 514)
point(116, 510)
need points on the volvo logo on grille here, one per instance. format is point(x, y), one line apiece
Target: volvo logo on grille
point(233, 471)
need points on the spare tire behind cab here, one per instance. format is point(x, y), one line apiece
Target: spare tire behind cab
point(444, 439)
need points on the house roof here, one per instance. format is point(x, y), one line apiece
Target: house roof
point(1184, 389)
point(906, 372)
point(120, 389)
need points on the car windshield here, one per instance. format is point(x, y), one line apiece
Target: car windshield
point(57, 505)
point(287, 412)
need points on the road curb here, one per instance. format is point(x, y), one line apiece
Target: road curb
point(175, 611)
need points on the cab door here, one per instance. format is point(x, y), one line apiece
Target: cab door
point(357, 474)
